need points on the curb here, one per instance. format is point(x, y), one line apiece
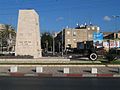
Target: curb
point(89, 75)
point(51, 75)
point(30, 74)
point(73, 75)
point(16, 74)
point(116, 75)
point(104, 75)
point(92, 75)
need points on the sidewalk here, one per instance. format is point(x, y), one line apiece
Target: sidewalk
point(53, 67)
point(58, 71)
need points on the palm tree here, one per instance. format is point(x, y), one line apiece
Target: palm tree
point(6, 37)
point(46, 41)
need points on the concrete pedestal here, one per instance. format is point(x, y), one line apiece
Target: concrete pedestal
point(66, 70)
point(39, 69)
point(94, 71)
point(13, 69)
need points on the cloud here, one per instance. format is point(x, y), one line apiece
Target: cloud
point(59, 19)
point(107, 18)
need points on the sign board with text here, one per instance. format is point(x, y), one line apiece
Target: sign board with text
point(98, 39)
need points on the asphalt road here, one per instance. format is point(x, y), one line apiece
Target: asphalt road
point(36, 83)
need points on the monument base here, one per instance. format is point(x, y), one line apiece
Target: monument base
point(37, 55)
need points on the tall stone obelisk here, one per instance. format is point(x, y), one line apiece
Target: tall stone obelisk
point(28, 41)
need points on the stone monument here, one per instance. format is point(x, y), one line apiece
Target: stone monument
point(28, 40)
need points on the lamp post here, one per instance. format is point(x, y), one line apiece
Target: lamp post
point(53, 44)
point(116, 35)
point(46, 42)
point(1, 45)
point(108, 45)
point(62, 42)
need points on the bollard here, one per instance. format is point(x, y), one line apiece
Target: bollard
point(13, 69)
point(94, 71)
point(39, 69)
point(66, 70)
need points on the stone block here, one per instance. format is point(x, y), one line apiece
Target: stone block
point(39, 69)
point(94, 71)
point(66, 70)
point(13, 69)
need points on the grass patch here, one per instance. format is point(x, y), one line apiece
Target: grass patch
point(52, 63)
point(115, 62)
point(99, 62)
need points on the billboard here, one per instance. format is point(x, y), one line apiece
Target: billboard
point(113, 44)
point(98, 39)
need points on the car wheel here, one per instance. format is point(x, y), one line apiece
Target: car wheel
point(93, 56)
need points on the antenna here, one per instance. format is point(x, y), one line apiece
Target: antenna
point(90, 23)
point(77, 24)
point(67, 26)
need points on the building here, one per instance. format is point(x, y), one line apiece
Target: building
point(111, 40)
point(2, 27)
point(69, 37)
point(111, 35)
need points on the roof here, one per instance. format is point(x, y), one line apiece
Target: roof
point(107, 33)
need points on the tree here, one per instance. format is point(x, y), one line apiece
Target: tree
point(46, 41)
point(6, 37)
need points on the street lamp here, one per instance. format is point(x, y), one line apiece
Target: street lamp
point(62, 42)
point(116, 35)
point(116, 17)
point(109, 45)
point(53, 44)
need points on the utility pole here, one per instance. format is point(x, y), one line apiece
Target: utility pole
point(1, 45)
point(53, 44)
point(116, 34)
point(59, 46)
point(62, 42)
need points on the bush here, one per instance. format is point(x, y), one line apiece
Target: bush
point(110, 57)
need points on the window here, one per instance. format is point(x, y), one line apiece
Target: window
point(93, 28)
point(98, 28)
point(74, 39)
point(68, 32)
point(29, 43)
point(88, 28)
point(90, 36)
point(69, 46)
point(74, 33)
point(68, 40)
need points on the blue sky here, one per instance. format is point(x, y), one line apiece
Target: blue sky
point(57, 14)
